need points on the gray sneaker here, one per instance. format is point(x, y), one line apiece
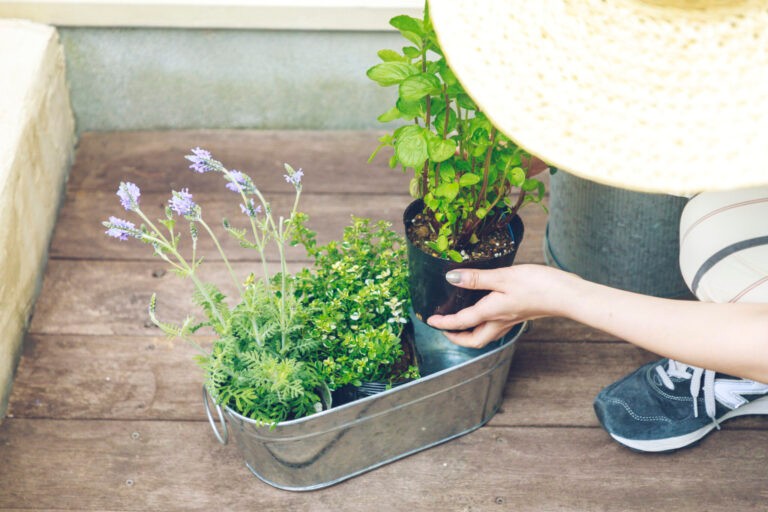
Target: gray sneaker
point(658, 407)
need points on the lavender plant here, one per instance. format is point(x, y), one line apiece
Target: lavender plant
point(270, 357)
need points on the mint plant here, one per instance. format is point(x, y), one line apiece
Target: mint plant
point(288, 340)
point(465, 170)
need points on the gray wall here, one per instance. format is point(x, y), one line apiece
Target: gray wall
point(138, 79)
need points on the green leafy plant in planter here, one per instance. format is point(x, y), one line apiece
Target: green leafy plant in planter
point(357, 295)
point(469, 179)
point(270, 359)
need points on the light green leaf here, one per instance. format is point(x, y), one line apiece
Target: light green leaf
point(516, 176)
point(481, 213)
point(447, 172)
point(411, 52)
point(391, 73)
point(390, 115)
point(442, 243)
point(391, 56)
point(469, 179)
point(530, 185)
point(411, 147)
point(465, 101)
point(413, 187)
point(411, 28)
point(415, 87)
point(411, 109)
point(455, 256)
point(407, 23)
point(431, 202)
point(440, 149)
point(448, 191)
point(445, 71)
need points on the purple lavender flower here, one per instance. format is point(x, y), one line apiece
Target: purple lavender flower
point(201, 160)
point(129, 195)
point(293, 177)
point(252, 209)
point(239, 182)
point(120, 229)
point(182, 203)
point(201, 153)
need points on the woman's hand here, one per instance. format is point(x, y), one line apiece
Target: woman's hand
point(518, 293)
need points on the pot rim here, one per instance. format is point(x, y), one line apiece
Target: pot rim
point(408, 219)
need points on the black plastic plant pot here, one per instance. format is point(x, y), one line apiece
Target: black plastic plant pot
point(431, 294)
point(350, 393)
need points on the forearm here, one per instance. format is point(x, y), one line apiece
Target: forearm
point(731, 338)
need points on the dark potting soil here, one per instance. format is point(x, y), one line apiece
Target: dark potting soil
point(493, 245)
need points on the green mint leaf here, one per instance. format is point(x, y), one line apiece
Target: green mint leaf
point(481, 213)
point(455, 256)
point(411, 147)
point(441, 149)
point(391, 73)
point(465, 101)
point(516, 176)
point(530, 185)
point(411, 109)
point(467, 180)
point(442, 243)
point(391, 56)
point(405, 23)
point(390, 115)
point(445, 72)
point(411, 52)
point(413, 187)
point(448, 191)
point(415, 87)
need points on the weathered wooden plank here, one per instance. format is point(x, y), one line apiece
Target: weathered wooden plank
point(333, 161)
point(106, 298)
point(141, 378)
point(79, 233)
point(119, 465)
point(137, 378)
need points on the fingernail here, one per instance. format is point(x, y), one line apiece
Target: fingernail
point(453, 277)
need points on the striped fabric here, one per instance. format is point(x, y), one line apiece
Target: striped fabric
point(724, 245)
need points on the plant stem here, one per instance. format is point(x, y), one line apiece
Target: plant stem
point(486, 171)
point(221, 252)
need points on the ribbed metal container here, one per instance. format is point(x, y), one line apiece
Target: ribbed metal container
point(337, 444)
point(624, 239)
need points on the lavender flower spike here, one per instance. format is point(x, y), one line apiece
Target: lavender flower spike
point(182, 203)
point(129, 195)
point(252, 209)
point(201, 160)
point(293, 177)
point(239, 182)
point(120, 229)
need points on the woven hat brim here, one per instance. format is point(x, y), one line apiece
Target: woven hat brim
point(627, 92)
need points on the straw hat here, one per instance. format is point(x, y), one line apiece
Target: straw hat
point(650, 95)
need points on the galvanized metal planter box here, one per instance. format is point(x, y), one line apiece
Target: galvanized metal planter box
point(461, 391)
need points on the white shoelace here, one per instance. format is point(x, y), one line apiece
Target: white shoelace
point(680, 370)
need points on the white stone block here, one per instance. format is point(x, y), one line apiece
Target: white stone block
point(36, 147)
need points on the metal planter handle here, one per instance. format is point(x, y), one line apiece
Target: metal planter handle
point(222, 436)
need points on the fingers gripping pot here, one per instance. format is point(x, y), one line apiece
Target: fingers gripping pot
point(430, 293)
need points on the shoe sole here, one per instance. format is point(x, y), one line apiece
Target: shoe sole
point(756, 407)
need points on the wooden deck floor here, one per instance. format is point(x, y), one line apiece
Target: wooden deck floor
point(105, 415)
